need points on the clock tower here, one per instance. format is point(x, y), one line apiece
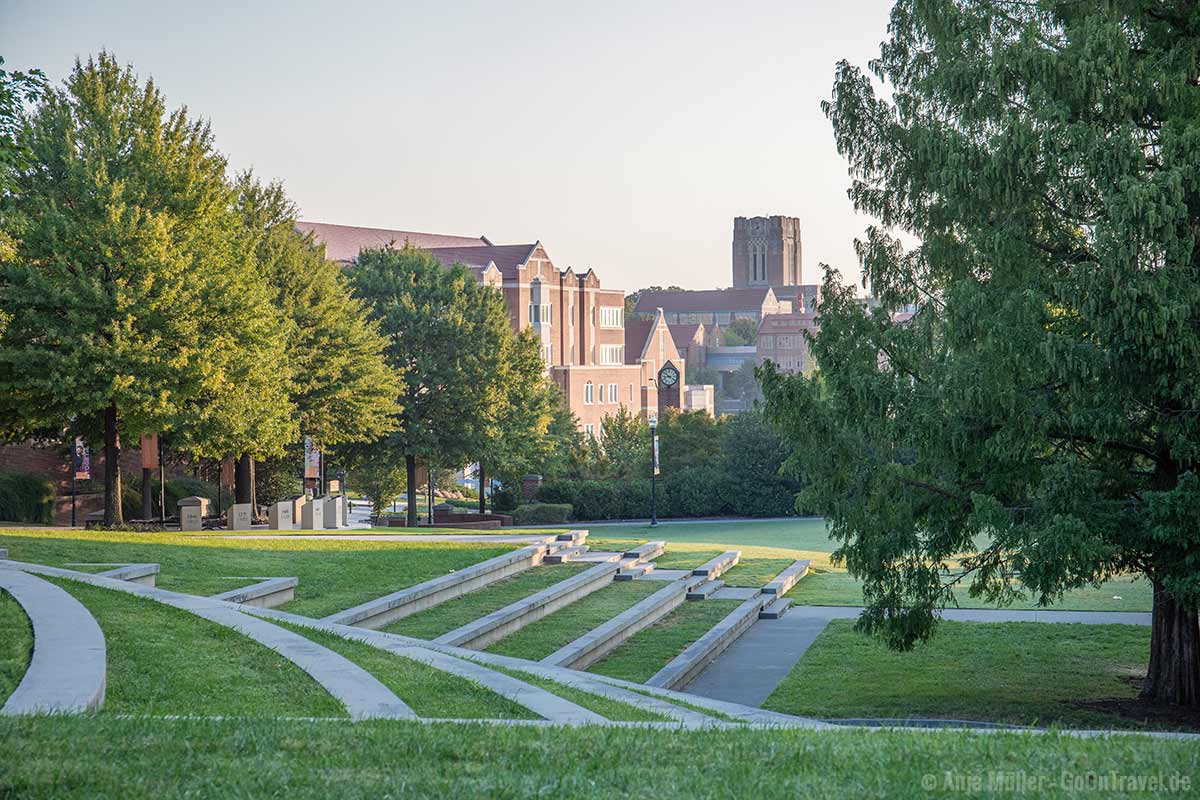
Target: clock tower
point(669, 379)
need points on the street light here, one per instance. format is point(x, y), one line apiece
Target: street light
point(653, 470)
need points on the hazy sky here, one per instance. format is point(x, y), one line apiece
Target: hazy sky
point(626, 136)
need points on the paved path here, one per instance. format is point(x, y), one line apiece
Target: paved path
point(750, 669)
point(403, 537)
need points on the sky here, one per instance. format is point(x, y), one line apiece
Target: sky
point(624, 136)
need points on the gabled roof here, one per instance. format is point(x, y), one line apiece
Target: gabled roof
point(508, 258)
point(749, 299)
point(343, 242)
point(787, 323)
point(637, 333)
point(685, 335)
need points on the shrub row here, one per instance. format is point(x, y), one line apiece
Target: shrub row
point(541, 514)
point(25, 498)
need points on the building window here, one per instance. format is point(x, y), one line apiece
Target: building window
point(631, 394)
point(548, 354)
point(590, 430)
point(766, 342)
point(612, 393)
point(612, 354)
point(612, 317)
point(589, 393)
point(540, 313)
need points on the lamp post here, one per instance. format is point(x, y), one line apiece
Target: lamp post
point(653, 470)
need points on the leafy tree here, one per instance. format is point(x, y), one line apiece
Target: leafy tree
point(1038, 414)
point(742, 384)
point(442, 328)
point(625, 446)
point(132, 309)
point(340, 384)
point(688, 439)
point(631, 299)
point(379, 477)
point(741, 332)
point(16, 89)
point(752, 455)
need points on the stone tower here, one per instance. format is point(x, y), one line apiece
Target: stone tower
point(766, 251)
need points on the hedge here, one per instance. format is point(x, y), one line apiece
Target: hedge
point(541, 514)
point(25, 498)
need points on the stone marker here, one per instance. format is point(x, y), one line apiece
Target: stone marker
point(240, 517)
point(281, 516)
point(312, 516)
point(192, 511)
point(333, 511)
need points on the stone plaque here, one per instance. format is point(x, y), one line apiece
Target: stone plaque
point(312, 517)
point(240, 517)
point(282, 515)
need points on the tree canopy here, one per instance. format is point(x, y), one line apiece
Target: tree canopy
point(1037, 419)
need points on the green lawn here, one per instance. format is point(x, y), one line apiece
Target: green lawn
point(334, 574)
point(163, 660)
point(433, 622)
point(16, 644)
point(564, 626)
point(1027, 673)
point(428, 691)
point(765, 545)
point(55, 758)
point(651, 649)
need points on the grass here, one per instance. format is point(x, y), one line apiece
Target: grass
point(651, 649)
point(433, 622)
point(85, 757)
point(767, 544)
point(334, 574)
point(163, 660)
point(1027, 673)
point(16, 644)
point(428, 691)
point(564, 626)
point(606, 707)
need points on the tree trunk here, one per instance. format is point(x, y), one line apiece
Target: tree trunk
point(112, 467)
point(1174, 674)
point(482, 483)
point(410, 464)
point(243, 482)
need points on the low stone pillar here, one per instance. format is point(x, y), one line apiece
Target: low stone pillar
point(240, 517)
point(192, 511)
point(282, 515)
point(312, 516)
point(332, 510)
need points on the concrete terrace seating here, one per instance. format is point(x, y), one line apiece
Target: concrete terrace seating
point(597, 643)
point(719, 565)
point(397, 605)
point(692, 661)
point(68, 669)
point(785, 580)
point(647, 551)
point(267, 593)
point(143, 574)
point(363, 696)
point(493, 627)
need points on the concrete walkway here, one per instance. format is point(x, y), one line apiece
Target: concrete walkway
point(498, 538)
point(758, 661)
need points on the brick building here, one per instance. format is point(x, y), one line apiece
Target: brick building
point(781, 339)
point(766, 251)
point(579, 323)
point(711, 306)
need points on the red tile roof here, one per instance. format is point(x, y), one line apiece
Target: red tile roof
point(787, 323)
point(343, 242)
point(508, 258)
point(750, 299)
point(684, 335)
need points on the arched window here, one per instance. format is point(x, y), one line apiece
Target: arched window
point(589, 392)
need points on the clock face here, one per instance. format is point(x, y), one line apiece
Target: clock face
point(668, 376)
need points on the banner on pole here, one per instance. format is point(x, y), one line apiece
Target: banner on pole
point(81, 460)
point(149, 451)
point(312, 459)
point(655, 454)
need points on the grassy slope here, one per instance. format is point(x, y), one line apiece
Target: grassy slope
point(16, 645)
point(649, 650)
point(443, 618)
point(334, 575)
point(564, 626)
point(605, 707)
point(765, 544)
point(82, 757)
point(428, 691)
point(162, 660)
point(1016, 672)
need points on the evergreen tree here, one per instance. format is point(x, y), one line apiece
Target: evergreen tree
point(131, 307)
point(1039, 412)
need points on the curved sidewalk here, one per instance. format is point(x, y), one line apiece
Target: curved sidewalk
point(360, 692)
point(68, 669)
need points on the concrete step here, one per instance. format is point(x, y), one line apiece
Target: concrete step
point(574, 537)
point(565, 554)
point(692, 661)
point(647, 551)
point(705, 590)
point(775, 609)
point(634, 572)
point(785, 580)
point(714, 567)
